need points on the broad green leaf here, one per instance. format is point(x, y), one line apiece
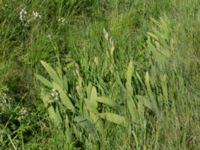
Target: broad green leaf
point(106, 100)
point(64, 98)
point(89, 90)
point(129, 78)
point(54, 116)
point(129, 92)
point(91, 103)
point(114, 118)
point(52, 73)
point(93, 98)
point(44, 81)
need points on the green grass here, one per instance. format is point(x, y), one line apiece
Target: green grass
point(87, 74)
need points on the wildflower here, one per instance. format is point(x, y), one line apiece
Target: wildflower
point(55, 95)
point(61, 20)
point(36, 15)
point(22, 14)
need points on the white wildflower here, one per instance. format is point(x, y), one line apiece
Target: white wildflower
point(36, 15)
point(61, 20)
point(55, 95)
point(22, 14)
point(22, 114)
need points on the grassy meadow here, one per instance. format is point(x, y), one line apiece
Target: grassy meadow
point(100, 75)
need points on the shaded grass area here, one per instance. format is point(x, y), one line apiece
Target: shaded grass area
point(99, 74)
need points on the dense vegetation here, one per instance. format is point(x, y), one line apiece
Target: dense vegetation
point(107, 74)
